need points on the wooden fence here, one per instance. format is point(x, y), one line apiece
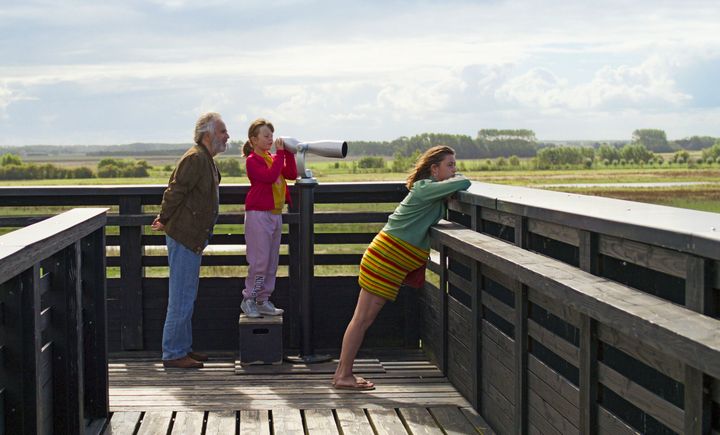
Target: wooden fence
point(53, 350)
point(137, 300)
point(561, 313)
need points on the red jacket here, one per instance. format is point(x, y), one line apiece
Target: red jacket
point(260, 196)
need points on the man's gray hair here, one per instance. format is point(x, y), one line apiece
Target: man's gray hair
point(205, 124)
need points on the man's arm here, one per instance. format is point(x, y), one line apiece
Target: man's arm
point(182, 181)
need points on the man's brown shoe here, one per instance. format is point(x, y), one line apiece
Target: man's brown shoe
point(197, 356)
point(182, 363)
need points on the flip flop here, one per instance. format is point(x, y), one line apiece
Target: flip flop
point(361, 384)
point(357, 387)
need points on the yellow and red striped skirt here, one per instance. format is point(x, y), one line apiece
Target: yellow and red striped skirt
point(386, 263)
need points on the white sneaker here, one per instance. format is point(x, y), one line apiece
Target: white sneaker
point(269, 309)
point(250, 308)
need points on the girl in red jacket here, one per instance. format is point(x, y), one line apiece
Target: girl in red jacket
point(263, 214)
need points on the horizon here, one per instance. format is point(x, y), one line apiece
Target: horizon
point(190, 143)
point(81, 73)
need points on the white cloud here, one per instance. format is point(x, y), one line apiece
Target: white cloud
point(375, 70)
point(647, 85)
point(5, 97)
point(417, 98)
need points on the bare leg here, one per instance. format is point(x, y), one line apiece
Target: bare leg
point(367, 308)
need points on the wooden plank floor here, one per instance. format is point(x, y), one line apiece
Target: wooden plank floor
point(411, 396)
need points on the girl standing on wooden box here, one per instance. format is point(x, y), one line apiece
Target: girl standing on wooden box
point(263, 214)
point(399, 250)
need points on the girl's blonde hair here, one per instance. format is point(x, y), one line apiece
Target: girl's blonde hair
point(253, 131)
point(433, 156)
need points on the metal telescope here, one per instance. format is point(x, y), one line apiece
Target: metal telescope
point(324, 148)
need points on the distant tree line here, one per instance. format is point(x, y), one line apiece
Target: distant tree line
point(487, 144)
point(492, 143)
point(506, 146)
point(13, 168)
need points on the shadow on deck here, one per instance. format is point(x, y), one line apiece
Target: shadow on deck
point(411, 396)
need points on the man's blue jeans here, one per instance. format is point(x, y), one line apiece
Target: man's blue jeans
point(184, 278)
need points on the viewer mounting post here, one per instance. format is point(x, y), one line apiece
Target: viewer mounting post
point(306, 184)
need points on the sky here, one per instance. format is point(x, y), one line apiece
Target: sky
point(115, 72)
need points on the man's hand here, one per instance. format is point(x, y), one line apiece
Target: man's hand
point(157, 225)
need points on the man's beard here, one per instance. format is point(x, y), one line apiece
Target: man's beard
point(218, 146)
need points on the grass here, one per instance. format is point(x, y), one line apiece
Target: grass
point(701, 197)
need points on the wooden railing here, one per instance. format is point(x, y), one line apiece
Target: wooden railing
point(665, 251)
point(53, 350)
point(137, 299)
point(561, 313)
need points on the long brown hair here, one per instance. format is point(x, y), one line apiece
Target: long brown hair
point(433, 156)
point(253, 131)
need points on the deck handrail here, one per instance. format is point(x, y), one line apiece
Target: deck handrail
point(53, 347)
point(690, 231)
point(670, 252)
point(480, 270)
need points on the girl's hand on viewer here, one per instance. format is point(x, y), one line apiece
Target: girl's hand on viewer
point(279, 144)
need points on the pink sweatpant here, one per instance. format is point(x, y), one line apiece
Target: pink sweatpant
point(262, 240)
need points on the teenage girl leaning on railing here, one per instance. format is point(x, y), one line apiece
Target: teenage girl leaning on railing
point(399, 250)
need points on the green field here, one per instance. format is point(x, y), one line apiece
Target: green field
point(704, 197)
point(701, 197)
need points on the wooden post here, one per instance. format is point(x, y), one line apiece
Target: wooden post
point(21, 368)
point(94, 296)
point(698, 291)
point(65, 333)
point(589, 257)
point(521, 231)
point(697, 402)
point(588, 375)
point(521, 358)
point(476, 308)
point(131, 274)
point(443, 287)
point(698, 288)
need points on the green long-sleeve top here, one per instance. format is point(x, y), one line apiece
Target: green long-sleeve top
point(422, 208)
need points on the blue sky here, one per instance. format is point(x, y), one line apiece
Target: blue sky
point(86, 72)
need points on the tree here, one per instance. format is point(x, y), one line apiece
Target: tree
point(401, 162)
point(504, 143)
point(681, 157)
point(10, 159)
point(371, 162)
point(557, 156)
point(111, 168)
point(636, 153)
point(608, 152)
point(653, 139)
point(713, 152)
point(230, 167)
point(490, 134)
point(695, 142)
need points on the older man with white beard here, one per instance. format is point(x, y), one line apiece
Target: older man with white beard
point(188, 213)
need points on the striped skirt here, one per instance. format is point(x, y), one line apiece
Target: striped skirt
point(385, 264)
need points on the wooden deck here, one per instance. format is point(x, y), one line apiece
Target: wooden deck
point(411, 396)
